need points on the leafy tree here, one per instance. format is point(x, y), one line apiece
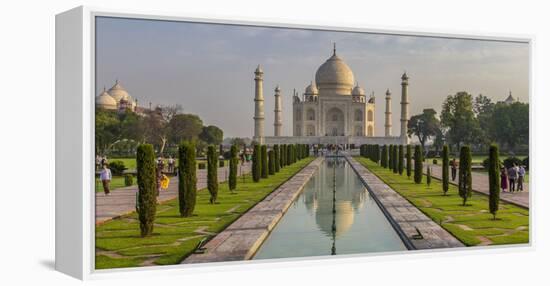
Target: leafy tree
point(256, 163)
point(418, 164)
point(187, 185)
point(147, 185)
point(494, 180)
point(424, 126)
point(510, 124)
point(458, 117)
point(233, 165)
point(400, 166)
point(212, 173)
point(185, 127)
point(465, 174)
point(484, 110)
point(445, 170)
point(409, 161)
point(211, 135)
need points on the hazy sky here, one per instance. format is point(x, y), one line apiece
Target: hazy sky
point(208, 68)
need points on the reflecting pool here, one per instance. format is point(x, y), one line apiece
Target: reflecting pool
point(334, 214)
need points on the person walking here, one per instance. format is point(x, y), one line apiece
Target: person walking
point(105, 176)
point(521, 177)
point(503, 179)
point(171, 162)
point(453, 169)
point(160, 168)
point(512, 177)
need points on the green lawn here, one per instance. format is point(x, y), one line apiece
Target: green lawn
point(116, 182)
point(118, 243)
point(472, 224)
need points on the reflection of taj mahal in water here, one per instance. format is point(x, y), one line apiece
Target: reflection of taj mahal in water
point(333, 109)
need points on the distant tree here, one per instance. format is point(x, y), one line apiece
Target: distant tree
point(256, 163)
point(187, 185)
point(238, 141)
point(494, 180)
point(424, 126)
point(465, 174)
point(510, 124)
point(211, 135)
point(458, 117)
point(212, 173)
point(146, 205)
point(409, 161)
point(445, 170)
point(233, 165)
point(400, 160)
point(483, 110)
point(185, 127)
point(418, 165)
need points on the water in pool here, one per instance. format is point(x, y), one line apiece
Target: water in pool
point(324, 222)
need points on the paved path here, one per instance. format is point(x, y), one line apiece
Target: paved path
point(242, 238)
point(480, 183)
point(403, 215)
point(123, 200)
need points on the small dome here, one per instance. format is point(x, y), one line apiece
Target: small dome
point(259, 70)
point(405, 76)
point(388, 93)
point(118, 92)
point(334, 73)
point(105, 101)
point(358, 91)
point(311, 89)
point(277, 89)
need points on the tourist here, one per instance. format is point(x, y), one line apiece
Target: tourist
point(521, 177)
point(160, 167)
point(105, 176)
point(104, 161)
point(454, 166)
point(513, 177)
point(97, 162)
point(503, 179)
point(171, 163)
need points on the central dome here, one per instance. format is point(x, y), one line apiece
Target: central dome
point(334, 73)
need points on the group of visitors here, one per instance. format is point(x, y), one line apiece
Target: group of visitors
point(511, 179)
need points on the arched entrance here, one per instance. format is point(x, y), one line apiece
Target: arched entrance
point(334, 122)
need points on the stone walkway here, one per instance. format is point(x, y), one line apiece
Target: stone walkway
point(242, 238)
point(122, 201)
point(480, 184)
point(403, 215)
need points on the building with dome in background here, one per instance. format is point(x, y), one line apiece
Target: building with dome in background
point(333, 109)
point(116, 98)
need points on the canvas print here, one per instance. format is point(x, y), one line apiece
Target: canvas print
point(223, 142)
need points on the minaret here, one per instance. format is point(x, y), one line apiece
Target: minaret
point(387, 124)
point(404, 107)
point(259, 106)
point(278, 124)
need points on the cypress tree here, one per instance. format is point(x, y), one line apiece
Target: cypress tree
point(233, 165)
point(429, 176)
point(377, 154)
point(212, 173)
point(289, 154)
point(409, 161)
point(146, 205)
point(400, 160)
point(187, 185)
point(395, 159)
point(494, 180)
point(390, 158)
point(271, 163)
point(277, 158)
point(418, 168)
point(264, 161)
point(465, 174)
point(445, 169)
point(384, 159)
point(283, 155)
point(256, 163)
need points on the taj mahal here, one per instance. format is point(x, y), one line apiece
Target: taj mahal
point(333, 109)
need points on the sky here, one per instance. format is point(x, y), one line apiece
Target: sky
point(209, 68)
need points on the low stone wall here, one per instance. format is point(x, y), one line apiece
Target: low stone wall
point(356, 140)
point(242, 238)
point(404, 216)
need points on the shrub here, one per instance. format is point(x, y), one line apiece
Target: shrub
point(264, 161)
point(445, 169)
point(117, 167)
point(271, 162)
point(146, 205)
point(465, 174)
point(276, 158)
point(418, 168)
point(400, 166)
point(202, 166)
point(510, 161)
point(409, 161)
point(212, 174)
point(256, 164)
point(486, 163)
point(233, 165)
point(494, 180)
point(187, 185)
point(128, 180)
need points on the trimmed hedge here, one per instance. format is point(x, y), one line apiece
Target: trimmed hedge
point(418, 166)
point(256, 163)
point(276, 158)
point(445, 169)
point(212, 174)
point(187, 185)
point(233, 165)
point(271, 162)
point(494, 180)
point(465, 174)
point(264, 161)
point(409, 161)
point(146, 201)
point(401, 158)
